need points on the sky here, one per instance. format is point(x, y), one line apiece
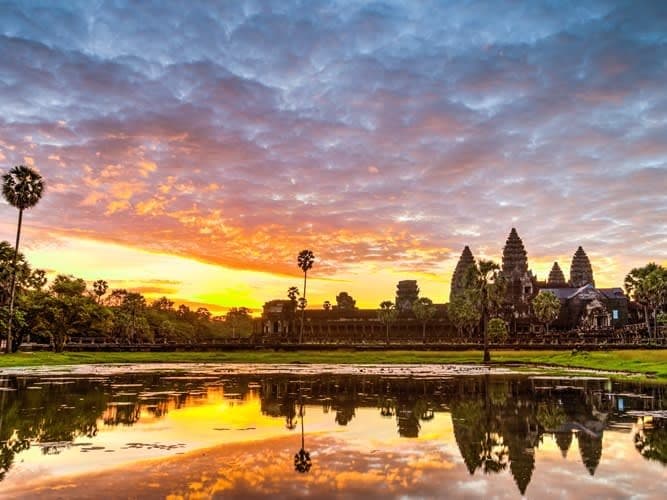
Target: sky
point(193, 149)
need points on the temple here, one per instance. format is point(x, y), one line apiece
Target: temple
point(583, 306)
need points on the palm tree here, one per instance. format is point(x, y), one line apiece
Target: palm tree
point(547, 307)
point(22, 187)
point(387, 314)
point(483, 278)
point(305, 261)
point(648, 287)
point(423, 310)
point(100, 287)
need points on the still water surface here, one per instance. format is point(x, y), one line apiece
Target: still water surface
point(363, 431)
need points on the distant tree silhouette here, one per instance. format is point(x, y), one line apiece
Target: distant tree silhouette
point(424, 310)
point(22, 187)
point(100, 288)
point(305, 261)
point(387, 314)
point(345, 302)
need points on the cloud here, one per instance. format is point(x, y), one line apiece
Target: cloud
point(369, 132)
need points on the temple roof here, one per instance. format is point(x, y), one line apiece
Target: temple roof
point(514, 255)
point(565, 293)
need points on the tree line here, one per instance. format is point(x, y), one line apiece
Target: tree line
point(69, 309)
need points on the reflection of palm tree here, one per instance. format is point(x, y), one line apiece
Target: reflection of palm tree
point(302, 461)
point(22, 187)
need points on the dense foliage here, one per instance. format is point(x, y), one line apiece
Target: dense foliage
point(69, 310)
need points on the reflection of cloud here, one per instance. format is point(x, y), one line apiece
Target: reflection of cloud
point(259, 132)
point(264, 468)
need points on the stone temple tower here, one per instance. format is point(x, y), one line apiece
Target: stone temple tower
point(515, 258)
point(556, 276)
point(521, 284)
point(458, 278)
point(581, 271)
point(407, 292)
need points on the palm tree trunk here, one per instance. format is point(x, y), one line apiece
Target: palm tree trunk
point(8, 347)
point(303, 311)
point(303, 444)
point(487, 356)
point(424, 332)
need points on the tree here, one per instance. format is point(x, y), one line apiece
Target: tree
point(483, 278)
point(237, 317)
point(305, 261)
point(647, 286)
point(387, 314)
point(100, 287)
point(65, 311)
point(131, 323)
point(546, 307)
point(656, 291)
point(497, 330)
point(463, 311)
point(163, 304)
point(345, 302)
point(424, 310)
point(22, 187)
point(292, 294)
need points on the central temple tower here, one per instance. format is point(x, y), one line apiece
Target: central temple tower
point(521, 284)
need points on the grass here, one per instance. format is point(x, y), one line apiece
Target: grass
point(651, 362)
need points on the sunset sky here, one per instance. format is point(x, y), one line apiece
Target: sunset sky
point(192, 149)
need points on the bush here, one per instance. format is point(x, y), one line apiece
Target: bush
point(497, 330)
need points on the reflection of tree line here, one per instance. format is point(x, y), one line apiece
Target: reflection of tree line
point(53, 413)
point(498, 422)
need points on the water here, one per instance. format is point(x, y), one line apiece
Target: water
point(206, 431)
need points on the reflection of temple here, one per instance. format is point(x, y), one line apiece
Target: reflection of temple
point(498, 422)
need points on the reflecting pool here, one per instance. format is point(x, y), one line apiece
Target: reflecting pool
point(244, 431)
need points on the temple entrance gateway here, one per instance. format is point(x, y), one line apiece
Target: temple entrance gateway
point(596, 315)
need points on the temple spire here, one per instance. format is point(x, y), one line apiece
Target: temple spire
point(515, 258)
point(556, 276)
point(458, 278)
point(581, 272)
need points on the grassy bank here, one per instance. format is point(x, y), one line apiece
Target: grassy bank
point(637, 361)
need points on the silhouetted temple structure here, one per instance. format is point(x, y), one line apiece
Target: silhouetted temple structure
point(458, 278)
point(407, 292)
point(582, 305)
point(556, 276)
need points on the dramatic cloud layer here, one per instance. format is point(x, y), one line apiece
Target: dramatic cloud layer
point(385, 133)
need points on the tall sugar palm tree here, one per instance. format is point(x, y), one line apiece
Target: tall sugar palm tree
point(305, 261)
point(22, 187)
point(484, 280)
